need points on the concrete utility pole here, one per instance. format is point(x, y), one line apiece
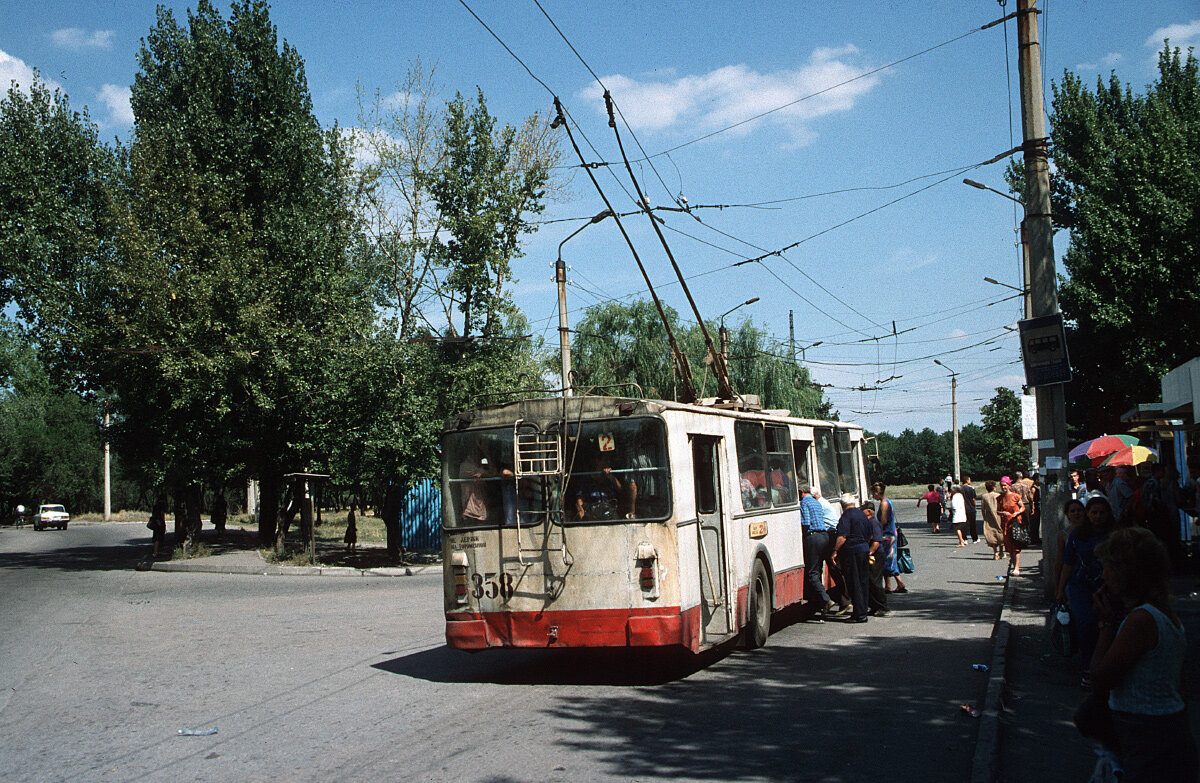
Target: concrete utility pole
point(107, 469)
point(1043, 293)
point(564, 334)
point(953, 418)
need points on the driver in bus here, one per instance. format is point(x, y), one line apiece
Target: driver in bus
point(597, 492)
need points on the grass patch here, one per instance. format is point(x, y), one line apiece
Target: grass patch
point(333, 528)
point(200, 550)
point(907, 491)
point(116, 516)
point(291, 556)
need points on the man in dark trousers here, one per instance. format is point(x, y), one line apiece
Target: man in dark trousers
point(968, 493)
point(857, 539)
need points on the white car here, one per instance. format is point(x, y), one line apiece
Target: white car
point(51, 516)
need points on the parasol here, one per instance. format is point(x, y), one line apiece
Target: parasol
point(1130, 455)
point(1092, 452)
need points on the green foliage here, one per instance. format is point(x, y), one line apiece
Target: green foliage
point(985, 451)
point(627, 343)
point(1127, 186)
point(483, 195)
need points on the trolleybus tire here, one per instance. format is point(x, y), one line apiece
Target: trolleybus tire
point(758, 624)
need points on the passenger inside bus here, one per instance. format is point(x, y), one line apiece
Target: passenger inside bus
point(480, 492)
point(596, 493)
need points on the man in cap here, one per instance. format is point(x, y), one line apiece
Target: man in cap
point(857, 539)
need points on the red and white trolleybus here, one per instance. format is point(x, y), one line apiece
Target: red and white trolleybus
point(598, 521)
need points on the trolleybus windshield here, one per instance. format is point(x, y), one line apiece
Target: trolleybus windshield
point(612, 470)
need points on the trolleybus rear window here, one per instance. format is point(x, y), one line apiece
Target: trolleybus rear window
point(837, 463)
point(611, 470)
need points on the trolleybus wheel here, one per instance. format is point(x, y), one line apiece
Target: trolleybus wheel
point(759, 625)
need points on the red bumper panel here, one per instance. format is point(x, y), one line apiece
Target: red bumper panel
point(653, 627)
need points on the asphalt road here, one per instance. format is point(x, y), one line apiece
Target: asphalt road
point(319, 678)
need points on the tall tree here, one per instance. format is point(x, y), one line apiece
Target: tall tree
point(1003, 447)
point(237, 290)
point(1127, 186)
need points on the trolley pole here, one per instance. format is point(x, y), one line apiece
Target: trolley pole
point(564, 334)
point(1043, 293)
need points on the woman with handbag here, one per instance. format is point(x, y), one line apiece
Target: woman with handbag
point(887, 524)
point(1139, 661)
point(1080, 578)
point(1015, 537)
point(993, 532)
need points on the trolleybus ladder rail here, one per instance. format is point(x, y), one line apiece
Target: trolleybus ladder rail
point(538, 457)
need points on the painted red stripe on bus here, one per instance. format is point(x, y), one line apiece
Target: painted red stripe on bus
point(647, 627)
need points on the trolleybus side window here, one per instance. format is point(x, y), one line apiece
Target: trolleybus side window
point(766, 473)
point(847, 461)
point(800, 455)
point(827, 464)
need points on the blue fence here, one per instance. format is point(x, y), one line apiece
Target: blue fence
point(421, 517)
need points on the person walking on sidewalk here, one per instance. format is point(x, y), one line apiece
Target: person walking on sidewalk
point(933, 508)
point(968, 493)
point(958, 514)
point(1139, 663)
point(857, 538)
point(993, 531)
point(1011, 508)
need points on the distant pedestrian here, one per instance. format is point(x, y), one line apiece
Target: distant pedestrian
point(933, 508)
point(857, 539)
point(993, 530)
point(158, 524)
point(968, 493)
point(958, 514)
point(1035, 512)
point(351, 537)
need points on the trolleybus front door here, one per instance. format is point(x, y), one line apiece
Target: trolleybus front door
point(716, 612)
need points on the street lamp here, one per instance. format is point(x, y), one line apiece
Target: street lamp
point(1006, 285)
point(560, 278)
point(1028, 300)
point(805, 348)
point(953, 414)
point(725, 334)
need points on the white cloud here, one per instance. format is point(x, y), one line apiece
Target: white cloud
point(13, 69)
point(78, 38)
point(735, 93)
point(365, 145)
point(957, 334)
point(117, 99)
point(1111, 59)
point(1181, 35)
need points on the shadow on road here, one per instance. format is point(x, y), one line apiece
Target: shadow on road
point(81, 558)
point(553, 667)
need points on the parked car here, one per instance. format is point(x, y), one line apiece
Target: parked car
point(51, 516)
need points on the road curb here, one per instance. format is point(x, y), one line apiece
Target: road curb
point(987, 745)
point(266, 569)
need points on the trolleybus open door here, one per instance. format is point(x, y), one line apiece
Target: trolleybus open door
point(715, 607)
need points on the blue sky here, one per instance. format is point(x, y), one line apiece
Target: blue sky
point(831, 164)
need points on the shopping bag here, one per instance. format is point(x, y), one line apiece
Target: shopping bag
point(904, 559)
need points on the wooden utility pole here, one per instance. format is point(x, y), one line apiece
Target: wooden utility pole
point(1043, 293)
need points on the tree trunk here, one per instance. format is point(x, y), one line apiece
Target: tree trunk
point(195, 497)
point(220, 510)
point(180, 513)
point(268, 507)
point(391, 520)
point(285, 520)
